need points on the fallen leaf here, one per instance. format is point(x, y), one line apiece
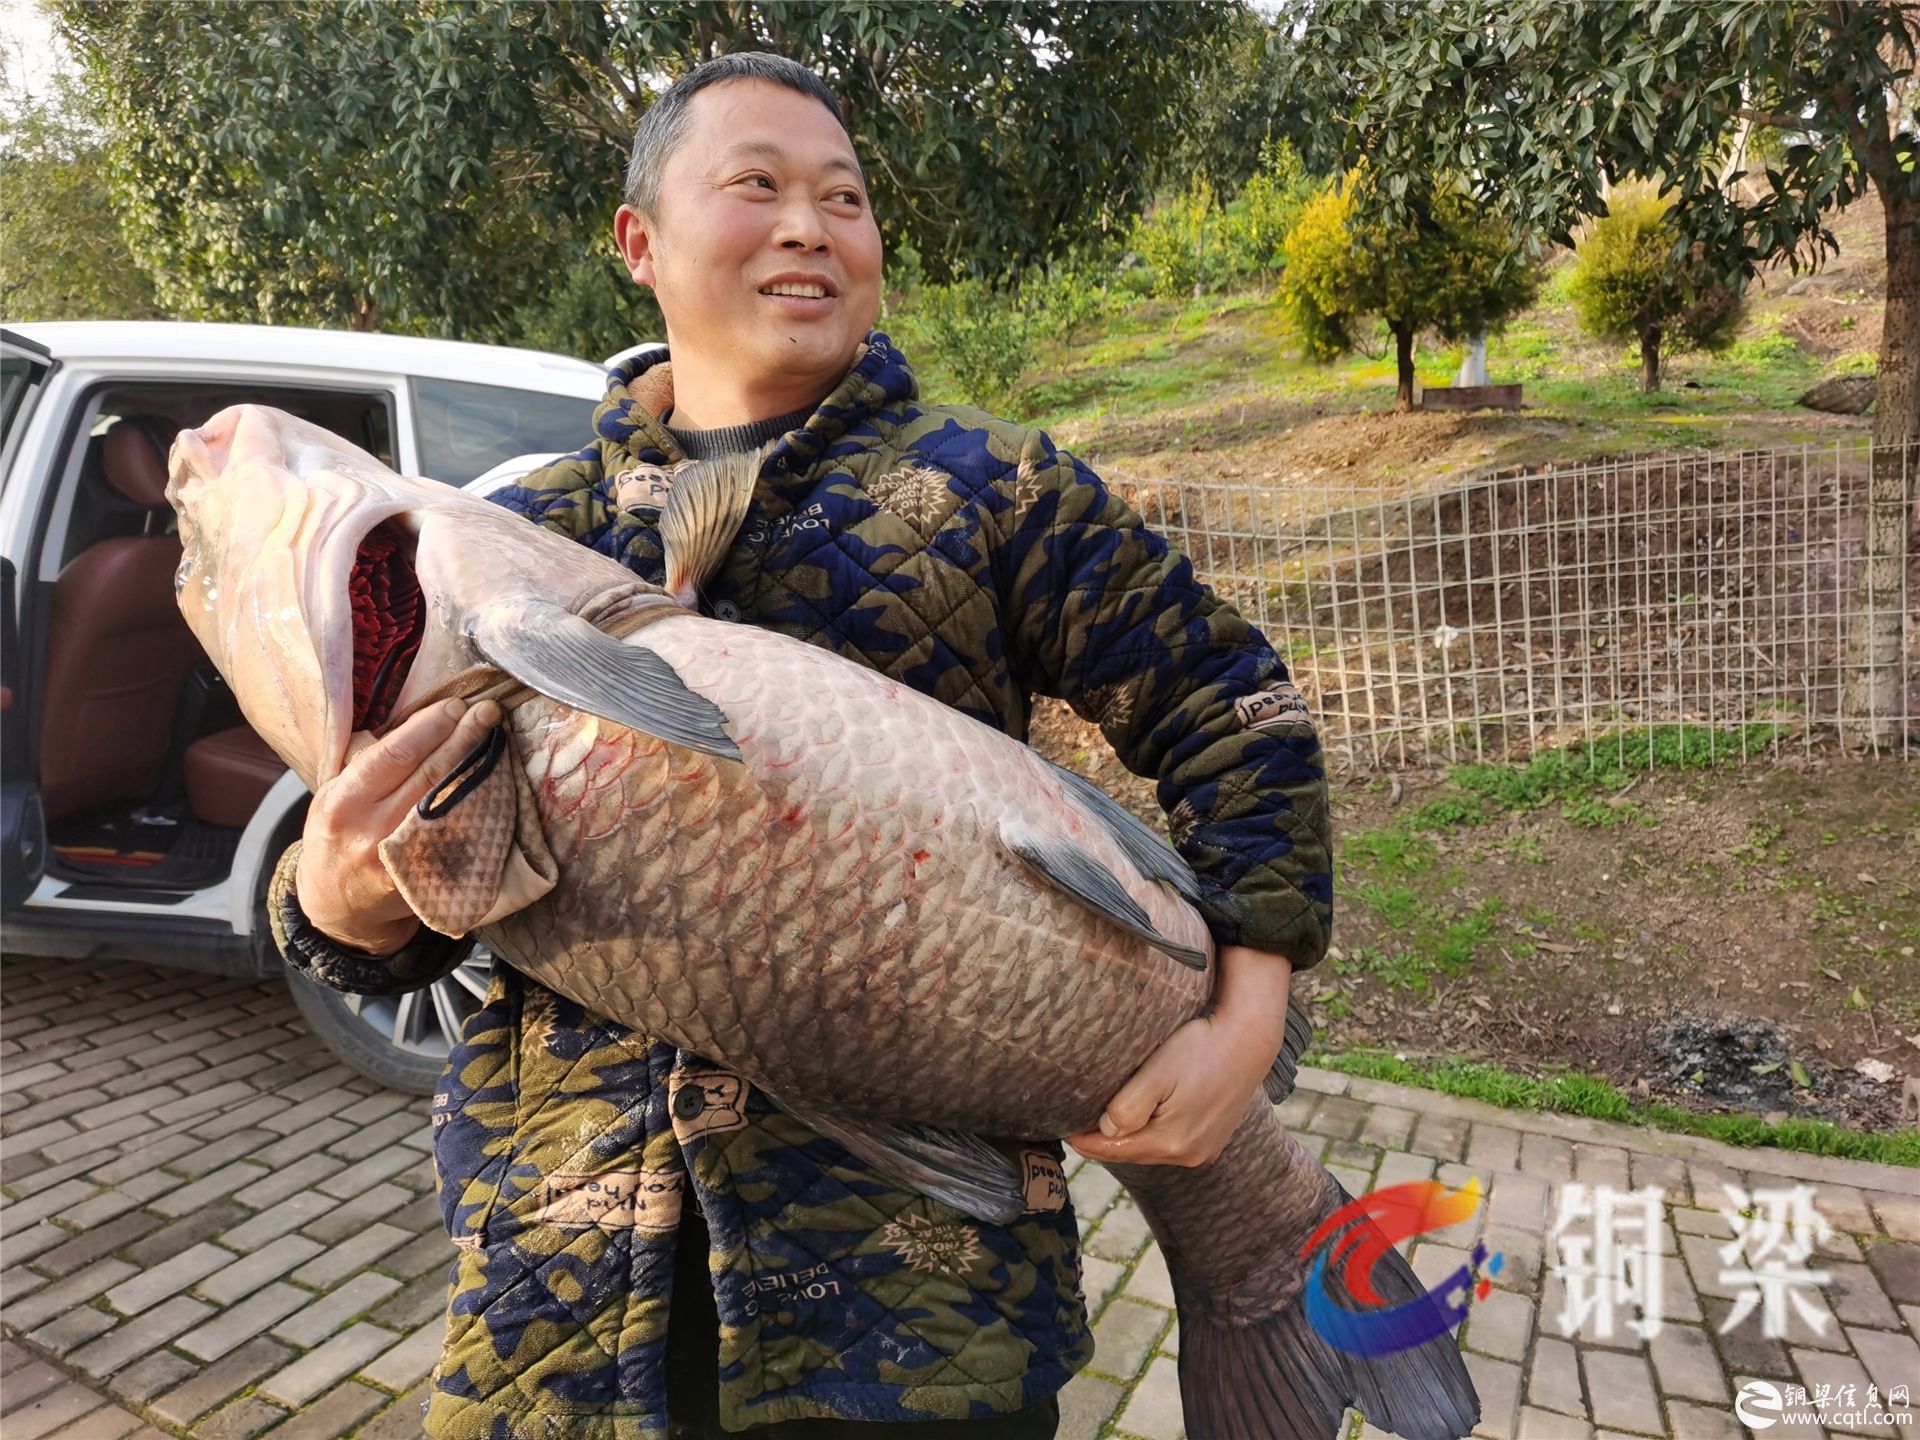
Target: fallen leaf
point(1857, 1000)
point(1558, 949)
point(1829, 972)
point(1766, 1069)
point(1799, 1074)
point(1865, 879)
point(1878, 1071)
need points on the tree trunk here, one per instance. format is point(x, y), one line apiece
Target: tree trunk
point(1874, 703)
point(1650, 361)
point(1403, 353)
point(365, 318)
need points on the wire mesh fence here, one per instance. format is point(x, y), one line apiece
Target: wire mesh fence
point(1484, 617)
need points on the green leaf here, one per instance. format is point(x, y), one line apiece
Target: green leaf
point(1799, 1074)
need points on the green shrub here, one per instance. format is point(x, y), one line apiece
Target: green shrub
point(1073, 293)
point(979, 338)
point(1764, 349)
point(1252, 234)
point(1629, 285)
point(1177, 239)
point(1855, 362)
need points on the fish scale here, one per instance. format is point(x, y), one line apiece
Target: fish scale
point(866, 903)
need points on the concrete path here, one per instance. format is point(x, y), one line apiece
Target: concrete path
point(209, 1228)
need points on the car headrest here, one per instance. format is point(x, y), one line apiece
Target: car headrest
point(135, 459)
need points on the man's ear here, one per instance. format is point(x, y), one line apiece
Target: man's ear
point(633, 233)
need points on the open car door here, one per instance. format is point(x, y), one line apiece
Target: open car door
point(23, 825)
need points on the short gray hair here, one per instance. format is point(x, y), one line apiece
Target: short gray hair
point(664, 125)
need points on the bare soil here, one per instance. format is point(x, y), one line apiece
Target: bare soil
point(1744, 922)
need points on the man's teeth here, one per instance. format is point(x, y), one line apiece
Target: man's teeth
point(810, 292)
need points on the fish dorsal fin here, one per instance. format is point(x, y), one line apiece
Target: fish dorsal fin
point(704, 509)
point(1074, 871)
point(1157, 860)
point(950, 1166)
point(560, 655)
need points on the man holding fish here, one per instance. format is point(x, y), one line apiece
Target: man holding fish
point(803, 1293)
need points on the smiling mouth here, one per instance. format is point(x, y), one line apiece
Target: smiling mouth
point(389, 620)
point(797, 292)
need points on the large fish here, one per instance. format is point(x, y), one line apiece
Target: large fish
point(907, 928)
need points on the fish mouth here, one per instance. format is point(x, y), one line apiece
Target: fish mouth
point(389, 613)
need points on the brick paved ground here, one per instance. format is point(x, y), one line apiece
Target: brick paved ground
point(209, 1228)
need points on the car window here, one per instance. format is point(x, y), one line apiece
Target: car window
point(20, 377)
point(465, 430)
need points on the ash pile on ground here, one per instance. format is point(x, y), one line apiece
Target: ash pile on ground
point(1751, 1065)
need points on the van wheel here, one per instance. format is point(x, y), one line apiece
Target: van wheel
point(402, 1041)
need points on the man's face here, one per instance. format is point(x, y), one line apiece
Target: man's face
point(762, 195)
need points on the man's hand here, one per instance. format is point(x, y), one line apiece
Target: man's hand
point(343, 887)
point(1182, 1106)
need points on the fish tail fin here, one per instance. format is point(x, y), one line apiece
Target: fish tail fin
point(1254, 1364)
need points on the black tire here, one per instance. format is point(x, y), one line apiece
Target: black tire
point(401, 1041)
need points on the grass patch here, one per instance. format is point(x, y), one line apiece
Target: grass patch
point(1576, 1093)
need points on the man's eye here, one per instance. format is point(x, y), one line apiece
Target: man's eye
point(760, 180)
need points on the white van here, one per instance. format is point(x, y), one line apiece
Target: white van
point(142, 817)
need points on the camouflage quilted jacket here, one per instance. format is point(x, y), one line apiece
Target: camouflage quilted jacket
point(967, 557)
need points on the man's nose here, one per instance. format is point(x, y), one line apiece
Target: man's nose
point(800, 228)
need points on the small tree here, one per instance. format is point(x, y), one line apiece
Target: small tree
point(1451, 271)
point(1627, 284)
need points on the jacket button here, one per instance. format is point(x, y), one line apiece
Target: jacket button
point(727, 610)
point(689, 1101)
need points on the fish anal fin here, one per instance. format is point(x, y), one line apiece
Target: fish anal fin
point(1075, 872)
point(703, 511)
point(950, 1166)
point(562, 656)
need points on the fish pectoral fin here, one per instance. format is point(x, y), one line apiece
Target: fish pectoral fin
point(950, 1166)
point(1074, 871)
point(562, 656)
point(472, 851)
point(1156, 859)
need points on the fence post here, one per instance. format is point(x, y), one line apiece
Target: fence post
point(1873, 702)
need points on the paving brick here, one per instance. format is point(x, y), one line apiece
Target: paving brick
point(69, 1331)
point(282, 1218)
point(326, 1105)
point(1153, 1410)
point(1444, 1137)
point(145, 1158)
point(1518, 1200)
point(1620, 1387)
point(1667, 1173)
point(302, 1142)
point(1397, 1168)
point(312, 1324)
point(1338, 1118)
point(339, 1261)
point(1388, 1127)
point(1701, 1422)
point(334, 1414)
point(431, 1253)
point(347, 1220)
point(1818, 1367)
point(362, 1175)
point(330, 1362)
point(1709, 1184)
point(1093, 1189)
point(186, 1232)
point(97, 1209)
point(26, 1377)
point(1355, 1182)
point(1099, 1279)
point(148, 1377)
point(1899, 1212)
point(294, 1181)
point(380, 1135)
point(1710, 1223)
point(1890, 1358)
point(131, 1339)
point(101, 1240)
point(109, 1422)
point(167, 1278)
point(1297, 1109)
point(252, 1317)
point(210, 1159)
point(405, 1419)
point(52, 1410)
point(1745, 1350)
point(58, 1108)
point(221, 1183)
point(205, 1102)
point(1855, 1296)
point(1498, 1383)
point(1546, 1157)
point(78, 1288)
point(22, 1213)
point(1898, 1268)
point(1493, 1147)
point(1150, 1280)
point(1601, 1165)
point(1521, 1257)
point(250, 1272)
point(1545, 1425)
point(1125, 1337)
point(1500, 1325)
point(20, 1248)
point(411, 1360)
point(241, 1420)
point(1352, 1155)
point(1321, 1082)
point(1687, 1365)
point(1553, 1377)
point(213, 1386)
point(1122, 1233)
point(1085, 1407)
point(414, 1304)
